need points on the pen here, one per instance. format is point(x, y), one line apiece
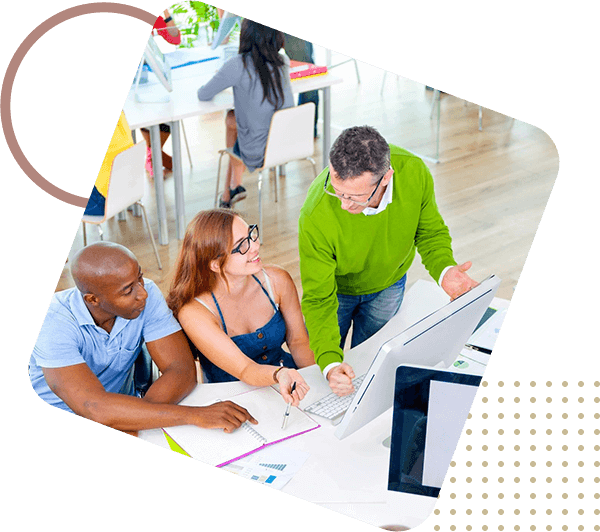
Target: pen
point(288, 408)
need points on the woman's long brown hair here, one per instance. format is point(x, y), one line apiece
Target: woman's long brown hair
point(208, 237)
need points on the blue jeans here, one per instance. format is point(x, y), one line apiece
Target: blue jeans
point(368, 313)
point(236, 148)
point(96, 204)
point(311, 96)
point(139, 378)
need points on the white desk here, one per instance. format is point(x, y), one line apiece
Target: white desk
point(348, 476)
point(183, 104)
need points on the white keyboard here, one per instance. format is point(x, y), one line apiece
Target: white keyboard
point(332, 406)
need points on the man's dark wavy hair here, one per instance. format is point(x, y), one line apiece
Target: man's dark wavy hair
point(358, 150)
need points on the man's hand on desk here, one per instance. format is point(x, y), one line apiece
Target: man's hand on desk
point(456, 281)
point(223, 415)
point(340, 379)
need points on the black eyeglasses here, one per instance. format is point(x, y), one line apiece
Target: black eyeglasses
point(244, 246)
point(342, 197)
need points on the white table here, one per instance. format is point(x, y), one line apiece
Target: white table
point(183, 104)
point(348, 476)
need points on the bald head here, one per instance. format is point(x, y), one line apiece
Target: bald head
point(110, 281)
point(95, 264)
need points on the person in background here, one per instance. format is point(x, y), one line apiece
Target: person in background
point(236, 311)
point(165, 27)
point(260, 78)
point(120, 141)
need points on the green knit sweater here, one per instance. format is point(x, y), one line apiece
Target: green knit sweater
point(355, 254)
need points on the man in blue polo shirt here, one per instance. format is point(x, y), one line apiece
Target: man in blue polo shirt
point(84, 357)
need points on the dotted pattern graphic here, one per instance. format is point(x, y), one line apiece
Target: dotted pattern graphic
point(528, 460)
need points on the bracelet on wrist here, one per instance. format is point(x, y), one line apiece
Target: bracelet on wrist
point(276, 372)
point(168, 19)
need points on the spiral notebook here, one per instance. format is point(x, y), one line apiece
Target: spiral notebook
point(218, 448)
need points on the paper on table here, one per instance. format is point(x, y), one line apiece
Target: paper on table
point(272, 466)
point(485, 337)
point(218, 448)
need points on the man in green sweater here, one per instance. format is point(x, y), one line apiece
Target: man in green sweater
point(363, 219)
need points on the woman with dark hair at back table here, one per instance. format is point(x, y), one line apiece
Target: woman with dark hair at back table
point(260, 78)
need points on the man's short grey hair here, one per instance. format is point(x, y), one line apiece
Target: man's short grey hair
point(358, 150)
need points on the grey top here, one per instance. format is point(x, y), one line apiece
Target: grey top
point(252, 114)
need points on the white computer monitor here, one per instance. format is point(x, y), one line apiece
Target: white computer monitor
point(434, 341)
point(226, 25)
point(430, 410)
point(160, 71)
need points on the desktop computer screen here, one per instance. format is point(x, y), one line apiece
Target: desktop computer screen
point(434, 341)
point(157, 71)
point(430, 410)
point(158, 64)
point(226, 26)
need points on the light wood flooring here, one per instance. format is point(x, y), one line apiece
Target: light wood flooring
point(491, 185)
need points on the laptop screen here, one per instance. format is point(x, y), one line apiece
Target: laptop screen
point(430, 410)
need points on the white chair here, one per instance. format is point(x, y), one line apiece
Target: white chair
point(125, 188)
point(290, 139)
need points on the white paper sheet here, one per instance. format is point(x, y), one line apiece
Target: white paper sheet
point(449, 406)
point(273, 466)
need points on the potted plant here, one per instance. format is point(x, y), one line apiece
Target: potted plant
point(196, 21)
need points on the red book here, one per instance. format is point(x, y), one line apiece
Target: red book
point(300, 69)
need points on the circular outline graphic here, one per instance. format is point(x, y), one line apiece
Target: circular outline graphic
point(11, 72)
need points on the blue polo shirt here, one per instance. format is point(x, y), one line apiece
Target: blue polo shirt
point(69, 336)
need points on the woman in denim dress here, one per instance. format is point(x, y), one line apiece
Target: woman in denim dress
point(236, 311)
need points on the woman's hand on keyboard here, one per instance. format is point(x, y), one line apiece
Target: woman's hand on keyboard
point(340, 379)
point(286, 378)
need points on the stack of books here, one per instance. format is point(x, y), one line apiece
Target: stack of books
point(300, 69)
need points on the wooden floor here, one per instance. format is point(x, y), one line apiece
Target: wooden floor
point(491, 185)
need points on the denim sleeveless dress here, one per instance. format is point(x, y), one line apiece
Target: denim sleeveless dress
point(263, 346)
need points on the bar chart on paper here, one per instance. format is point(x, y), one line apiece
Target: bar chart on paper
point(278, 467)
point(273, 466)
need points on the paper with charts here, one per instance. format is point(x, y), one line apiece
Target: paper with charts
point(272, 466)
